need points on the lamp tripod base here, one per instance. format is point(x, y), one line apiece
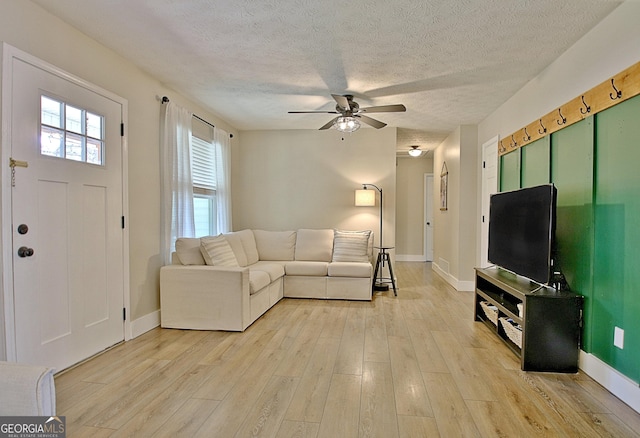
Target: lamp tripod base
point(380, 286)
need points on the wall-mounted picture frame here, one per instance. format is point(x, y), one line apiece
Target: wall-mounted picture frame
point(444, 182)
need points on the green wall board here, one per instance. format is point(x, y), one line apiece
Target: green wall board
point(572, 174)
point(535, 163)
point(616, 279)
point(510, 171)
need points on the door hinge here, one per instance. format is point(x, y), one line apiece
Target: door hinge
point(124, 313)
point(483, 218)
point(484, 164)
point(123, 222)
point(121, 129)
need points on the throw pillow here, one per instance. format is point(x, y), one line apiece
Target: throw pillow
point(217, 251)
point(351, 246)
point(188, 251)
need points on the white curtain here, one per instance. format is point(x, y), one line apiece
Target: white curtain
point(222, 143)
point(177, 185)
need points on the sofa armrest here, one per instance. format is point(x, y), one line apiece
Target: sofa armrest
point(204, 297)
point(27, 390)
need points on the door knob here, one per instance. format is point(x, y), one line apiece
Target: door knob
point(23, 251)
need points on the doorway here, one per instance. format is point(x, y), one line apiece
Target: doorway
point(63, 235)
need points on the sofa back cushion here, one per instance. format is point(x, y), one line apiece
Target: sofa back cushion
point(188, 251)
point(275, 245)
point(236, 246)
point(314, 245)
point(351, 246)
point(217, 251)
point(249, 244)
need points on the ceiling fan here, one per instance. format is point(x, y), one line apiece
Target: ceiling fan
point(351, 114)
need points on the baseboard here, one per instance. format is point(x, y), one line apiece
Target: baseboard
point(619, 385)
point(463, 286)
point(145, 323)
point(410, 258)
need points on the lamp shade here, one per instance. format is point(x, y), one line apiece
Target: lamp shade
point(365, 198)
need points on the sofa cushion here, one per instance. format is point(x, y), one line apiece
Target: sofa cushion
point(350, 269)
point(249, 245)
point(311, 269)
point(217, 251)
point(235, 242)
point(188, 251)
point(314, 245)
point(257, 281)
point(351, 246)
point(275, 245)
point(275, 270)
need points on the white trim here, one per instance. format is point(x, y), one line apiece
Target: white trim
point(145, 323)
point(461, 286)
point(6, 302)
point(618, 384)
point(410, 258)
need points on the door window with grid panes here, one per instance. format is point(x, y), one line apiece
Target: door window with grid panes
point(69, 132)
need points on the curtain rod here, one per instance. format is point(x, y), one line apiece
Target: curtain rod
point(165, 99)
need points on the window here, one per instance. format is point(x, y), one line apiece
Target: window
point(70, 133)
point(203, 173)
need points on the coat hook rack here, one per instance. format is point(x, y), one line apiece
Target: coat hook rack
point(544, 130)
point(526, 137)
point(586, 109)
point(563, 118)
point(618, 94)
point(515, 143)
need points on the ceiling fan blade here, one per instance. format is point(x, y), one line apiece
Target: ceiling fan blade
point(372, 122)
point(313, 112)
point(384, 109)
point(329, 124)
point(343, 102)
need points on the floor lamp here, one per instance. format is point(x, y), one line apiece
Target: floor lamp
point(367, 198)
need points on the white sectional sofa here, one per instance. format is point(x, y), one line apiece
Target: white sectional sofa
point(226, 282)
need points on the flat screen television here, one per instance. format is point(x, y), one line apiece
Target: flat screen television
point(522, 231)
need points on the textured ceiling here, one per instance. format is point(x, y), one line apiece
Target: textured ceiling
point(450, 62)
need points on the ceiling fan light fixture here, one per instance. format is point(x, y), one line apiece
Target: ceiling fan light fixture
point(415, 151)
point(347, 124)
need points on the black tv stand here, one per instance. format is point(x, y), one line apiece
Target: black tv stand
point(540, 324)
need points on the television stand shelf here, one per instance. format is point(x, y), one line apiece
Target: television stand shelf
point(541, 325)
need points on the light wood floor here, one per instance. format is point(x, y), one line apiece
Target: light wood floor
point(412, 366)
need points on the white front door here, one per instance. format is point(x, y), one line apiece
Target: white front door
point(67, 210)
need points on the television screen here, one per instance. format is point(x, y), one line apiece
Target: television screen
point(521, 231)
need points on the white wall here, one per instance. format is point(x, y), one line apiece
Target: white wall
point(285, 180)
point(410, 221)
point(33, 30)
point(455, 237)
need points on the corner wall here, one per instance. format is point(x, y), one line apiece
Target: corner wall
point(285, 180)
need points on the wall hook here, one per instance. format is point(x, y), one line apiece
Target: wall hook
point(526, 137)
point(563, 118)
point(586, 109)
point(618, 94)
point(515, 143)
point(502, 148)
point(544, 130)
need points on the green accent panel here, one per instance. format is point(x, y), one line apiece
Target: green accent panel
point(536, 163)
point(510, 171)
point(572, 174)
point(616, 281)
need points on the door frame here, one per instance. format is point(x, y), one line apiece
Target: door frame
point(7, 331)
point(428, 200)
point(484, 201)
